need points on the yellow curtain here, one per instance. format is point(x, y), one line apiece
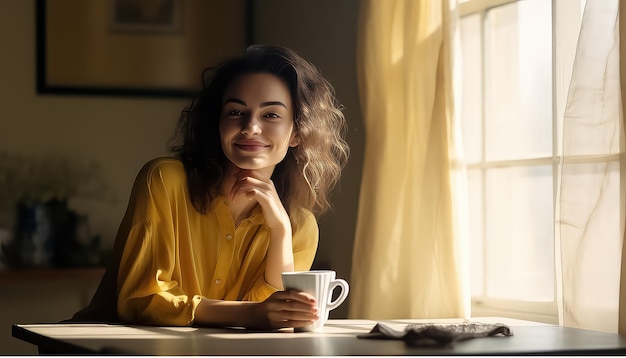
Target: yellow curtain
point(406, 258)
point(622, 67)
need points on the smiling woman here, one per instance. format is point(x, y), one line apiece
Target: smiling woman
point(208, 233)
point(256, 125)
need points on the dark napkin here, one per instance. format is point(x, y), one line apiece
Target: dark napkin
point(438, 335)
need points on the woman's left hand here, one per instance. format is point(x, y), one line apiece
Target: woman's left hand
point(253, 186)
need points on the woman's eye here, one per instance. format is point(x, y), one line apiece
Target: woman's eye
point(272, 115)
point(235, 112)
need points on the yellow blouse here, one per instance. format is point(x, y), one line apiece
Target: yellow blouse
point(173, 255)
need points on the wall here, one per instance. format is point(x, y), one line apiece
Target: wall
point(123, 133)
point(32, 297)
point(324, 32)
point(120, 133)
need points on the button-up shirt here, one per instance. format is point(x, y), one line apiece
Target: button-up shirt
point(174, 255)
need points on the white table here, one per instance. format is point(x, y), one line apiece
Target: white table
point(338, 338)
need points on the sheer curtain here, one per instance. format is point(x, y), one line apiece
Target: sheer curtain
point(407, 258)
point(590, 202)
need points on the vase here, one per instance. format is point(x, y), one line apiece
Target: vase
point(45, 234)
point(33, 235)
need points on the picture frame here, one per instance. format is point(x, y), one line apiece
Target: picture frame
point(84, 48)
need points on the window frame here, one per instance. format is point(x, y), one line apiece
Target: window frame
point(565, 34)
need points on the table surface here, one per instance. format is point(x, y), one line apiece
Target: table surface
point(337, 338)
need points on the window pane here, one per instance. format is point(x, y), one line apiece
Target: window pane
point(518, 83)
point(476, 209)
point(519, 233)
point(471, 107)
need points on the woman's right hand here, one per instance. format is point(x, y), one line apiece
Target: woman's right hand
point(287, 309)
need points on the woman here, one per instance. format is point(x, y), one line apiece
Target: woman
point(208, 233)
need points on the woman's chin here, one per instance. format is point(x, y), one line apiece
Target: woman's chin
point(256, 166)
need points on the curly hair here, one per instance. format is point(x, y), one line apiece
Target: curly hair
point(309, 171)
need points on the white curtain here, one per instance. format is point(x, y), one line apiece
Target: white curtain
point(590, 201)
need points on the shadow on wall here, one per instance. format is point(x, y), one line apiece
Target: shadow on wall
point(330, 45)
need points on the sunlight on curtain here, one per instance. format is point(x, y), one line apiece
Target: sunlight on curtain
point(407, 258)
point(622, 65)
point(590, 212)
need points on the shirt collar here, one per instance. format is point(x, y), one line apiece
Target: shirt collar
point(219, 206)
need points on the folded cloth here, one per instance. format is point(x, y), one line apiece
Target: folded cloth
point(437, 335)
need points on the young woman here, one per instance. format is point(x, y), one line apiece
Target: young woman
point(207, 233)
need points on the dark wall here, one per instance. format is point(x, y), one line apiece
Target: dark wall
point(325, 33)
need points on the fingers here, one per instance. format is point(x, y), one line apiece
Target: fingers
point(250, 185)
point(247, 182)
point(284, 319)
point(291, 309)
point(295, 295)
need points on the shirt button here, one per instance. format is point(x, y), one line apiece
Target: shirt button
point(229, 237)
point(218, 281)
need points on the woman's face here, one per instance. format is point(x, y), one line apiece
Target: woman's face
point(256, 123)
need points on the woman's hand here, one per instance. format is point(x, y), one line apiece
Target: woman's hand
point(283, 309)
point(253, 186)
point(287, 309)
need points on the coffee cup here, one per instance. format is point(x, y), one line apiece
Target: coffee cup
point(320, 284)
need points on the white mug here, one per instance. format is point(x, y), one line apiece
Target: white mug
point(320, 284)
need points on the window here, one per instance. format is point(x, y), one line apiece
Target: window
point(517, 58)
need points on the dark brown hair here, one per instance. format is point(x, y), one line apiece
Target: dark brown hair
point(305, 178)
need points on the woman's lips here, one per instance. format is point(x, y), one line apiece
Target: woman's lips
point(251, 146)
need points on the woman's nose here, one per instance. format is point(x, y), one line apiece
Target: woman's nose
point(251, 125)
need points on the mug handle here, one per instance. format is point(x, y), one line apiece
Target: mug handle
point(345, 288)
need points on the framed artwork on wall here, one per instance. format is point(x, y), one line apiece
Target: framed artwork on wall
point(135, 47)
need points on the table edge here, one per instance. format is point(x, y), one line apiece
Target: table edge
point(52, 346)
